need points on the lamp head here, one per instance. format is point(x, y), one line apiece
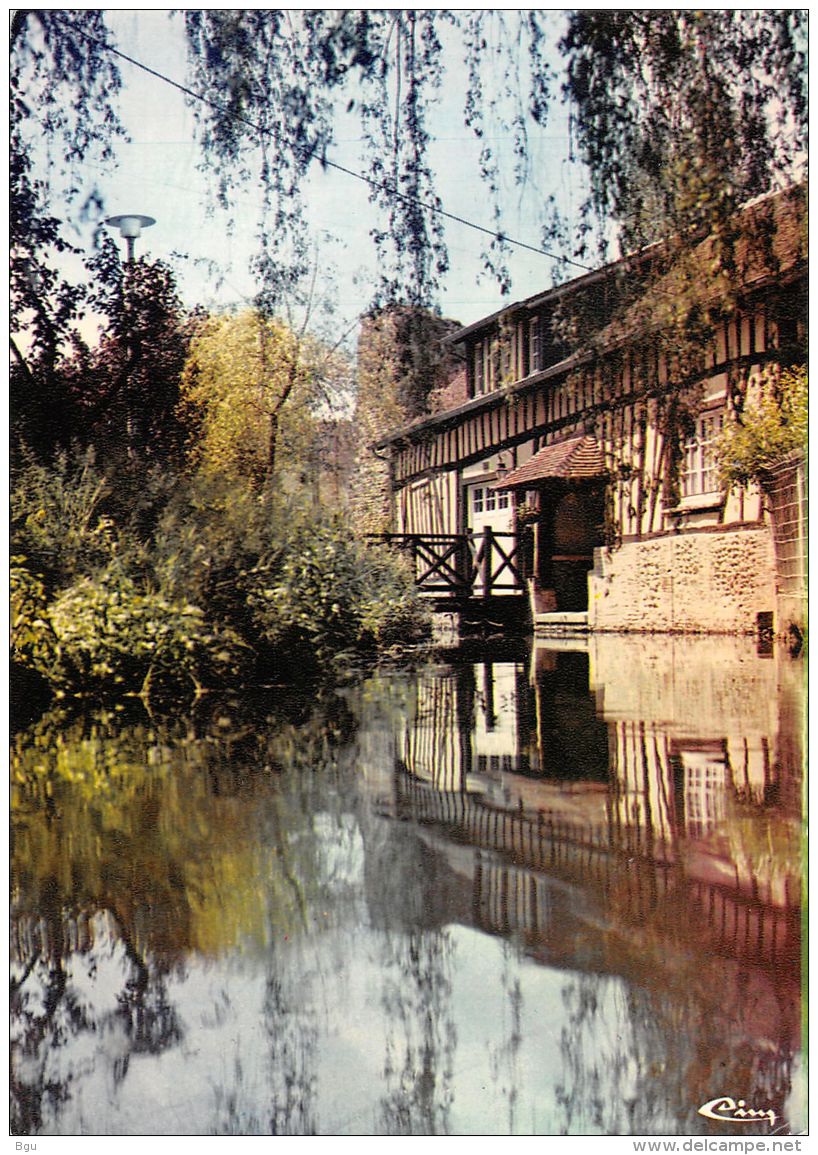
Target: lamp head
point(130, 225)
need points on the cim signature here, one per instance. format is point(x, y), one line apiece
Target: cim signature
point(728, 1110)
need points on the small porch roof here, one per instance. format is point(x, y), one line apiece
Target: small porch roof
point(575, 459)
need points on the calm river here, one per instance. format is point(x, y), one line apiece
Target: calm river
point(553, 891)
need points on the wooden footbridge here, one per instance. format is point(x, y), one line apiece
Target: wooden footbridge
point(461, 566)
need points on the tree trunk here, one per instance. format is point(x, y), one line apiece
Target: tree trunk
point(272, 445)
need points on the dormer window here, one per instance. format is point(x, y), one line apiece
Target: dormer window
point(505, 359)
point(534, 346)
point(479, 376)
point(484, 367)
point(517, 349)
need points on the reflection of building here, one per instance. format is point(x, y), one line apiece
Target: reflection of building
point(705, 783)
point(473, 723)
point(464, 730)
point(432, 742)
point(646, 770)
point(694, 701)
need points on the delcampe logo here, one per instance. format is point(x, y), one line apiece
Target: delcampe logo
point(728, 1110)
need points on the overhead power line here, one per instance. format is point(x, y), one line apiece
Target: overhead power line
point(383, 186)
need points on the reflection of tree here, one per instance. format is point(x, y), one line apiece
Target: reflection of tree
point(293, 1044)
point(418, 1064)
point(408, 895)
point(135, 842)
point(39, 1019)
point(234, 848)
point(507, 1055)
point(51, 1010)
point(641, 1059)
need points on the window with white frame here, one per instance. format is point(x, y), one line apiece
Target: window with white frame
point(699, 464)
point(486, 500)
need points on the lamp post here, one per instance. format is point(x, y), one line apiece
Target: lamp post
point(130, 227)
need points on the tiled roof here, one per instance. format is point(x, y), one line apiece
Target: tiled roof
point(572, 460)
point(770, 243)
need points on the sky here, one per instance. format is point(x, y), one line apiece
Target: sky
point(157, 175)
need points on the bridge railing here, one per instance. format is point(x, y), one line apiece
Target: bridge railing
point(461, 564)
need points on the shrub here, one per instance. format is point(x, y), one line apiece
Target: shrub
point(769, 430)
point(324, 595)
point(31, 637)
point(208, 532)
point(391, 611)
point(184, 582)
point(57, 522)
point(106, 633)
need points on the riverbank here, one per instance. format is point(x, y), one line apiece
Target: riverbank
point(172, 583)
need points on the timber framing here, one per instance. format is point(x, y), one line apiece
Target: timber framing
point(540, 406)
point(615, 367)
point(653, 359)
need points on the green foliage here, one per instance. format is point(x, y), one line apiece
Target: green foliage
point(208, 529)
point(679, 115)
point(682, 115)
point(109, 632)
point(189, 582)
point(63, 90)
point(324, 595)
point(769, 430)
point(57, 517)
point(672, 110)
point(96, 606)
point(31, 637)
point(251, 388)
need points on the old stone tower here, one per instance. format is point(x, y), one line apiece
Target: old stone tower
point(403, 374)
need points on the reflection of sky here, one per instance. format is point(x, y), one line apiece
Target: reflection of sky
point(495, 728)
point(379, 973)
point(500, 1031)
point(220, 1077)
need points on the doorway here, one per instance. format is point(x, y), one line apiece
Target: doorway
point(572, 528)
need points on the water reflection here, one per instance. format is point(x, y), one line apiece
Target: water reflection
point(553, 895)
point(656, 837)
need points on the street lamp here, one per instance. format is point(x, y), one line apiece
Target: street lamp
point(130, 227)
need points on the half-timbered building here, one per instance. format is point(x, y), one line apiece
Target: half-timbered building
point(581, 471)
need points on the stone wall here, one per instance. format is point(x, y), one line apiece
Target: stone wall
point(786, 491)
point(687, 583)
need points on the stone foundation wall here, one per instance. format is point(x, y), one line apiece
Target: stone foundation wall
point(786, 490)
point(687, 583)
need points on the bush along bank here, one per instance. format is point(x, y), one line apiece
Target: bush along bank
point(160, 585)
